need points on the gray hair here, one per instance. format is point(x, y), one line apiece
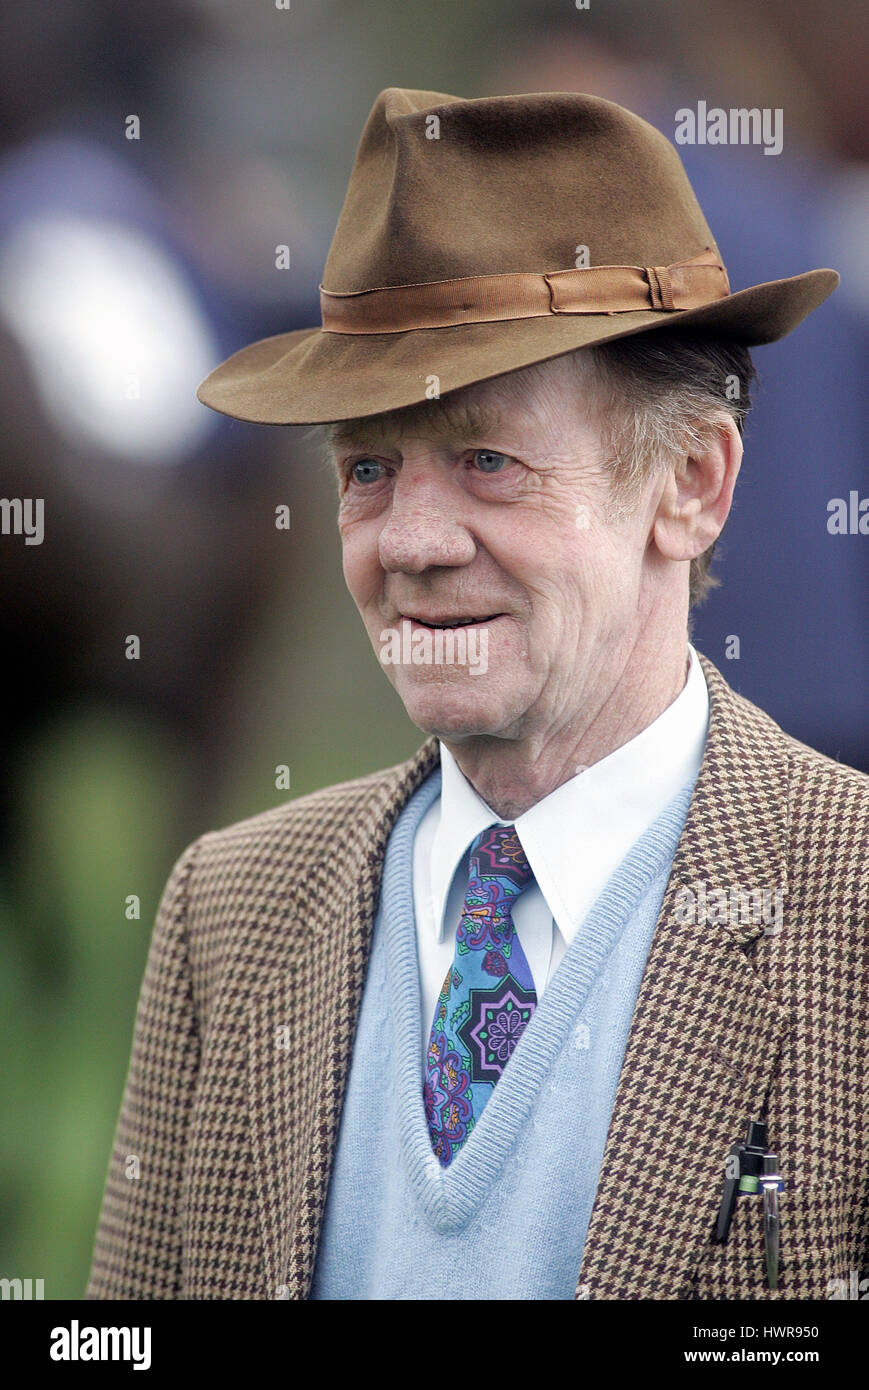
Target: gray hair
point(660, 395)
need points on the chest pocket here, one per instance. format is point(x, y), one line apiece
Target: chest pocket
point(814, 1251)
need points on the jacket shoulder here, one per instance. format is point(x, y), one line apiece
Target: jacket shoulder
point(827, 802)
point(829, 822)
point(835, 777)
point(809, 768)
point(254, 886)
point(761, 734)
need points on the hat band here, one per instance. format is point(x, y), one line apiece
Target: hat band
point(605, 289)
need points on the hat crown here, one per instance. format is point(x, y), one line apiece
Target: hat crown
point(455, 258)
point(443, 188)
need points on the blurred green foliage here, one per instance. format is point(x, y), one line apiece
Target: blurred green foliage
point(93, 829)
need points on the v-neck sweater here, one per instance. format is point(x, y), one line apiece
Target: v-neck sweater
point(507, 1218)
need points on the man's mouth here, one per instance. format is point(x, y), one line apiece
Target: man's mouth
point(443, 622)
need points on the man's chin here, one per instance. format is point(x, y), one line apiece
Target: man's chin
point(457, 714)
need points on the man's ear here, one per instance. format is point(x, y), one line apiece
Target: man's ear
point(697, 494)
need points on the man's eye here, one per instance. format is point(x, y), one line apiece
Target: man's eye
point(490, 461)
point(366, 471)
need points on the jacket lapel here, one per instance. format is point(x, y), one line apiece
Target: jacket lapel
point(706, 1032)
point(301, 1029)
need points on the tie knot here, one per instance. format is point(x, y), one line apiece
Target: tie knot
point(498, 853)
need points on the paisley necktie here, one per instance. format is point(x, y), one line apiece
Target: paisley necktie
point(487, 998)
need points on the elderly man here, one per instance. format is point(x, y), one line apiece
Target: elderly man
point(572, 1004)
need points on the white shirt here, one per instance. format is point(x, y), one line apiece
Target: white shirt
point(574, 840)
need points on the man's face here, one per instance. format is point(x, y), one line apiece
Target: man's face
point(495, 505)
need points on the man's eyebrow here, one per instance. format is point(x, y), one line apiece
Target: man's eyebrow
point(447, 422)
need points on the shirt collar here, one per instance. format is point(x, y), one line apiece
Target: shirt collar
point(577, 836)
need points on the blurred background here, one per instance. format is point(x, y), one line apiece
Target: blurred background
point(128, 268)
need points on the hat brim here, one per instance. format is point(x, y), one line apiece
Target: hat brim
point(310, 377)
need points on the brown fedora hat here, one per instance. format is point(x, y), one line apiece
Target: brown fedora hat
point(482, 236)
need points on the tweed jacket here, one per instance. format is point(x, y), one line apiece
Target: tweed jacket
point(245, 1029)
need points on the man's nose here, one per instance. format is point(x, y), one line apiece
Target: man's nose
point(425, 526)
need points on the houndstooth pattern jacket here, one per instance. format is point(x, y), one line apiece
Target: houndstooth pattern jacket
point(246, 1020)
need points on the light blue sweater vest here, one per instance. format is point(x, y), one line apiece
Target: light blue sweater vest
point(508, 1218)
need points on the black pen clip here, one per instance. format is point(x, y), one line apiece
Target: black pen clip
point(741, 1171)
point(732, 1174)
